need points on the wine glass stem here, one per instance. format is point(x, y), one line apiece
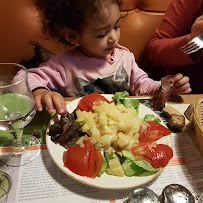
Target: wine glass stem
point(19, 144)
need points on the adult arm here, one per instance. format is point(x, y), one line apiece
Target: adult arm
point(164, 49)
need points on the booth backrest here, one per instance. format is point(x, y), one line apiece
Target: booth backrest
point(20, 24)
point(140, 23)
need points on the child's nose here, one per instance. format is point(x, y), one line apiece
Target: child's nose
point(113, 36)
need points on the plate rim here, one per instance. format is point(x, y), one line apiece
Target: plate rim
point(78, 178)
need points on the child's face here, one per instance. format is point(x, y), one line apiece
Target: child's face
point(100, 35)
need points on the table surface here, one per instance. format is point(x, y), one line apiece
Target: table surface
point(64, 189)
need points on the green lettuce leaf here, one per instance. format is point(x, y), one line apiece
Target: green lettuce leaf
point(119, 95)
point(103, 168)
point(149, 117)
point(130, 168)
point(133, 167)
point(120, 98)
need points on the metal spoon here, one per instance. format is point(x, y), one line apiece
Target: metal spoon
point(142, 195)
point(175, 193)
point(201, 199)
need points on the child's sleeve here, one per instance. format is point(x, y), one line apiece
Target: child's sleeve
point(50, 75)
point(140, 83)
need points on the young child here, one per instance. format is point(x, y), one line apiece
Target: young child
point(96, 63)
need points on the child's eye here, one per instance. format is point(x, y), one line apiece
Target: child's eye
point(116, 27)
point(101, 36)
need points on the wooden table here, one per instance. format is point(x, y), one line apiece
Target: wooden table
point(186, 98)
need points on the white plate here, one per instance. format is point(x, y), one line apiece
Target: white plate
point(105, 181)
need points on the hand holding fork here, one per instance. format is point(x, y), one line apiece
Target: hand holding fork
point(194, 45)
point(196, 37)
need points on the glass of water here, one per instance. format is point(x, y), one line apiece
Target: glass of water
point(17, 109)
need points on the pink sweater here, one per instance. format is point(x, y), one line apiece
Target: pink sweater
point(164, 48)
point(73, 74)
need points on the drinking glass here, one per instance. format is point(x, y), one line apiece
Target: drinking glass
point(5, 186)
point(17, 109)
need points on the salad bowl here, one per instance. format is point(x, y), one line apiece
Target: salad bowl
point(105, 181)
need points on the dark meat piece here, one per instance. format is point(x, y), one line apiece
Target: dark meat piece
point(161, 96)
point(66, 131)
point(159, 100)
point(167, 86)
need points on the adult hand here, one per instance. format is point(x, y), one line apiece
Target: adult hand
point(52, 100)
point(181, 84)
point(197, 28)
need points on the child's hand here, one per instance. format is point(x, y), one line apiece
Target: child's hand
point(52, 100)
point(181, 84)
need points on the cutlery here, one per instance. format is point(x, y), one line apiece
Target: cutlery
point(194, 45)
point(142, 195)
point(173, 193)
point(201, 199)
point(176, 193)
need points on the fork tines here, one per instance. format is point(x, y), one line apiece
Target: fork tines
point(194, 45)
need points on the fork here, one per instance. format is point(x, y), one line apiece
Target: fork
point(194, 45)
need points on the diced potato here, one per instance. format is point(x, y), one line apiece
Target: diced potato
point(115, 168)
point(123, 140)
point(105, 124)
point(107, 139)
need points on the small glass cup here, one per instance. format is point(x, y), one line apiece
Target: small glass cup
point(5, 186)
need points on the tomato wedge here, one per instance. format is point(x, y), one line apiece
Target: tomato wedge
point(98, 163)
point(157, 155)
point(152, 131)
point(163, 154)
point(75, 159)
point(83, 160)
point(90, 100)
point(143, 148)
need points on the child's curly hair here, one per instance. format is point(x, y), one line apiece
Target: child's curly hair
point(59, 14)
